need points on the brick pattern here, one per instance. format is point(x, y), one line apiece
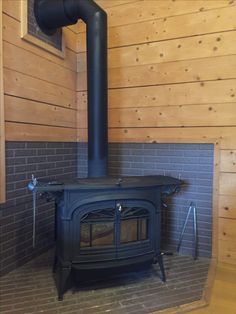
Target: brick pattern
point(44, 160)
point(31, 289)
point(193, 163)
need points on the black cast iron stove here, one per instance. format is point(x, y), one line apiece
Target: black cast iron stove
point(102, 222)
point(107, 222)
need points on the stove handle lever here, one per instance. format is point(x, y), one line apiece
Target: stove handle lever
point(119, 207)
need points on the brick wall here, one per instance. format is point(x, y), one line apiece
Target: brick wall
point(192, 162)
point(44, 160)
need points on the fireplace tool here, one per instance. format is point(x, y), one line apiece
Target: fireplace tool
point(192, 208)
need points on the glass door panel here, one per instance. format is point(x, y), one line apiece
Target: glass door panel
point(133, 224)
point(98, 228)
point(128, 231)
point(103, 234)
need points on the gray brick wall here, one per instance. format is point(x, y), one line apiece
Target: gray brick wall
point(192, 162)
point(45, 160)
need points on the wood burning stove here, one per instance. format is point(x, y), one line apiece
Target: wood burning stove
point(107, 222)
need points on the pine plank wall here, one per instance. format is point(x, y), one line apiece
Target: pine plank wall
point(172, 76)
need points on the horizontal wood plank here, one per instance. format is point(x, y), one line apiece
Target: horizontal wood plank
point(218, 68)
point(203, 46)
point(12, 8)
point(27, 111)
point(217, 20)
point(175, 116)
point(140, 11)
point(171, 116)
point(151, 9)
point(168, 95)
point(74, 28)
point(174, 72)
point(111, 3)
point(227, 206)
point(81, 42)
point(212, 21)
point(31, 132)
point(70, 39)
point(228, 161)
point(226, 135)
point(227, 185)
point(227, 251)
point(227, 229)
point(14, 56)
point(174, 50)
point(28, 87)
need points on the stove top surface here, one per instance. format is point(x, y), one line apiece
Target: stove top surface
point(109, 182)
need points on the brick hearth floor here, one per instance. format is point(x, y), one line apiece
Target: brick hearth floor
point(31, 289)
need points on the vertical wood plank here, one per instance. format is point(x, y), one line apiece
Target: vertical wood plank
point(2, 124)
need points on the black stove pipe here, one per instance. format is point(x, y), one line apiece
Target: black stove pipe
point(52, 14)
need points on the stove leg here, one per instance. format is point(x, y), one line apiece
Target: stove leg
point(159, 259)
point(64, 274)
point(161, 265)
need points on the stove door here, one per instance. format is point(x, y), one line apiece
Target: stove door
point(113, 230)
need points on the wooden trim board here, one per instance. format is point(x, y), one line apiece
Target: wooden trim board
point(2, 121)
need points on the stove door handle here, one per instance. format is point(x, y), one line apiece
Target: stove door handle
point(119, 207)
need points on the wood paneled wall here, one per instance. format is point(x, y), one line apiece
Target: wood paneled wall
point(40, 88)
point(172, 78)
